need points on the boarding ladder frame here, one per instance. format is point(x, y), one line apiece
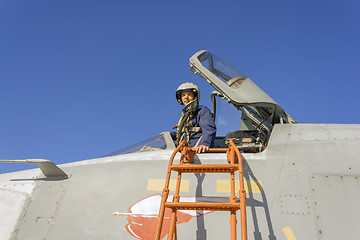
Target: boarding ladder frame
point(187, 156)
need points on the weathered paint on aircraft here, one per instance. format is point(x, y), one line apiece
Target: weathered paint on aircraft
point(143, 215)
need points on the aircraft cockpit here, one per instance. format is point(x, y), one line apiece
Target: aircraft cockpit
point(259, 111)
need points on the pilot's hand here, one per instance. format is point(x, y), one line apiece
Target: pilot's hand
point(201, 149)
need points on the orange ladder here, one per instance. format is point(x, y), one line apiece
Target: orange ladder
point(187, 156)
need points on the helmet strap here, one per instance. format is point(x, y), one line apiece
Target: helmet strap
point(192, 106)
point(185, 121)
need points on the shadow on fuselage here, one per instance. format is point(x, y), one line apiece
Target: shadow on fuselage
point(252, 203)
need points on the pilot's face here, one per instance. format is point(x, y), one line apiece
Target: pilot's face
point(187, 96)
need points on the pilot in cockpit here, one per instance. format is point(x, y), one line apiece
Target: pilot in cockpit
point(196, 124)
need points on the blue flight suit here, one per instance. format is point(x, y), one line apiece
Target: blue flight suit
point(203, 118)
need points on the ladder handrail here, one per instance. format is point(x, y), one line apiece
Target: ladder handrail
point(165, 192)
point(242, 193)
point(187, 155)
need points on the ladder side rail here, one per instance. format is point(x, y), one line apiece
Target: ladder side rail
point(186, 155)
point(176, 199)
point(165, 192)
point(172, 229)
point(242, 193)
point(231, 159)
point(175, 235)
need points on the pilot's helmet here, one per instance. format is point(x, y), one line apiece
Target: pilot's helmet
point(188, 86)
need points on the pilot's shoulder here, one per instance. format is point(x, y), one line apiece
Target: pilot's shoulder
point(203, 109)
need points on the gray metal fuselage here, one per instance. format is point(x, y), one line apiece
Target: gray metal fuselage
point(305, 185)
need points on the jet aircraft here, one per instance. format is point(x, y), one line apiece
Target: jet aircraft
point(302, 181)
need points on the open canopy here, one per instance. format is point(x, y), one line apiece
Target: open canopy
point(238, 89)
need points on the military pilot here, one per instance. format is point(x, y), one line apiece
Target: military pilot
point(196, 124)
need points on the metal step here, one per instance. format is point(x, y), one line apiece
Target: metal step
point(212, 206)
point(214, 168)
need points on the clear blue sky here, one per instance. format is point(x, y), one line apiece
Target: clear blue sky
point(83, 78)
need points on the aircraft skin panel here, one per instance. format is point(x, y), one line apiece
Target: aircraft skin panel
point(331, 192)
point(289, 196)
point(15, 192)
point(311, 151)
point(12, 203)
